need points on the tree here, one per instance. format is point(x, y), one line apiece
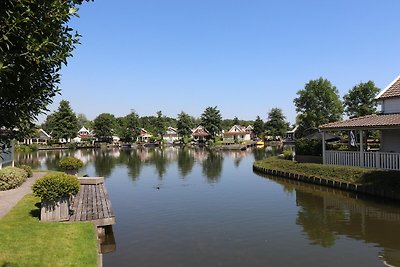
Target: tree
point(235, 121)
point(160, 124)
point(276, 124)
point(83, 121)
point(128, 127)
point(360, 101)
point(211, 121)
point(63, 123)
point(318, 103)
point(258, 126)
point(104, 126)
point(35, 41)
point(185, 125)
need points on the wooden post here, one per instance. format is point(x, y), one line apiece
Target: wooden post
point(323, 148)
point(361, 149)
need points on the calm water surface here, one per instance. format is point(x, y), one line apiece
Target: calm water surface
point(179, 207)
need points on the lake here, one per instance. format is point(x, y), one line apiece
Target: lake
point(190, 207)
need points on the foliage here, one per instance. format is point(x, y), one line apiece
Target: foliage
point(160, 124)
point(54, 185)
point(25, 241)
point(26, 168)
point(128, 127)
point(71, 146)
point(360, 101)
point(83, 121)
point(309, 147)
point(235, 121)
point(318, 103)
point(35, 41)
point(381, 179)
point(288, 154)
point(211, 121)
point(12, 177)
point(276, 124)
point(185, 125)
point(104, 125)
point(258, 127)
point(226, 124)
point(70, 163)
point(63, 123)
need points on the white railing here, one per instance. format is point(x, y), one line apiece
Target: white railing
point(380, 160)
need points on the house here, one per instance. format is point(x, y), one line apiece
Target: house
point(40, 137)
point(199, 134)
point(387, 122)
point(83, 134)
point(291, 135)
point(144, 136)
point(237, 134)
point(171, 135)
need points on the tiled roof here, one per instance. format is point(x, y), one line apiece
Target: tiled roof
point(392, 90)
point(375, 121)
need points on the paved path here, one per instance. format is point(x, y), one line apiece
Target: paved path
point(9, 198)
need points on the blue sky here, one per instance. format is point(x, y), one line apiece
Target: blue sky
point(245, 57)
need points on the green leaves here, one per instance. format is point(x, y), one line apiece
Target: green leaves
point(211, 121)
point(360, 100)
point(55, 185)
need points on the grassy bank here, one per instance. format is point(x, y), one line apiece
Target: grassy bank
point(378, 178)
point(25, 241)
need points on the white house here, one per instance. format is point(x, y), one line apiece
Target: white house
point(144, 136)
point(40, 137)
point(199, 133)
point(171, 135)
point(237, 133)
point(387, 122)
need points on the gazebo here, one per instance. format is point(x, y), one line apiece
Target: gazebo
point(387, 122)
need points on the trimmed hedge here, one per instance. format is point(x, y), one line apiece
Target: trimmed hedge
point(26, 168)
point(12, 177)
point(70, 163)
point(54, 185)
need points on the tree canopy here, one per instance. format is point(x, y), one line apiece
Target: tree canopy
point(185, 124)
point(258, 127)
point(318, 103)
point(360, 100)
point(35, 41)
point(104, 126)
point(276, 124)
point(211, 121)
point(63, 123)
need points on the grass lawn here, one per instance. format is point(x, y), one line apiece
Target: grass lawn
point(378, 178)
point(25, 241)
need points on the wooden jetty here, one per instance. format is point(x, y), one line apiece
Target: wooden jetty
point(92, 203)
point(243, 146)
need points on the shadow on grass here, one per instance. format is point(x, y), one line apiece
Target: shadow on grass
point(9, 264)
point(382, 179)
point(36, 212)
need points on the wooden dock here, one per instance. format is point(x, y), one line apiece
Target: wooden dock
point(92, 203)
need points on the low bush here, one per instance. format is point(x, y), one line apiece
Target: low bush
point(70, 163)
point(308, 147)
point(54, 185)
point(12, 177)
point(288, 154)
point(26, 168)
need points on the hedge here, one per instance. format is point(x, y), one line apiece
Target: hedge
point(12, 177)
point(54, 185)
point(70, 163)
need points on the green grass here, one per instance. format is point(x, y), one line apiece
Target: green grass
point(378, 178)
point(25, 241)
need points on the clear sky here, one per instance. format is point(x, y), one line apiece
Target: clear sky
point(244, 56)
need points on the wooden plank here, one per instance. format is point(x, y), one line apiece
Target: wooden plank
point(103, 202)
point(108, 200)
point(100, 213)
point(94, 204)
point(85, 200)
point(90, 203)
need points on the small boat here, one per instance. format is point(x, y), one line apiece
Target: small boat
point(260, 143)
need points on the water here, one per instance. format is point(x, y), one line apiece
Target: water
point(178, 207)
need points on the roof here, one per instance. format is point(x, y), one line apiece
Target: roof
point(392, 90)
point(375, 121)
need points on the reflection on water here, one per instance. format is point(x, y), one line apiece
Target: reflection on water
point(193, 207)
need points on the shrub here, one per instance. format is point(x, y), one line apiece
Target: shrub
point(70, 163)
point(54, 185)
point(12, 177)
point(71, 146)
point(288, 154)
point(308, 147)
point(26, 168)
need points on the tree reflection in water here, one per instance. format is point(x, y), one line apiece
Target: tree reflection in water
point(185, 161)
point(212, 166)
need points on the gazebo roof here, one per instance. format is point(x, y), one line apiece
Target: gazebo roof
point(392, 90)
point(373, 122)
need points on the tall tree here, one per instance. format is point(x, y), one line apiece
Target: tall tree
point(160, 124)
point(65, 123)
point(211, 121)
point(185, 125)
point(318, 103)
point(83, 121)
point(276, 124)
point(360, 100)
point(235, 121)
point(35, 41)
point(104, 126)
point(128, 127)
point(258, 126)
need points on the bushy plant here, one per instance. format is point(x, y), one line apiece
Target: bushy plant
point(70, 163)
point(54, 185)
point(71, 146)
point(308, 147)
point(26, 168)
point(288, 154)
point(12, 177)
